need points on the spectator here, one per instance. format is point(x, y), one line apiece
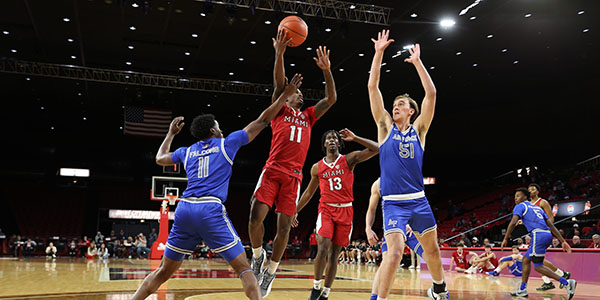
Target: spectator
point(562, 232)
point(521, 244)
point(51, 251)
point(465, 240)
point(475, 242)
point(142, 246)
point(103, 252)
point(595, 241)
point(128, 243)
point(486, 242)
point(312, 240)
point(29, 247)
point(527, 241)
point(152, 237)
point(83, 245)
point(121, 249)
point(2, 235)
point(122, 237)
point(442, 243)
point(72, 248)
point(15, 243)
point(91, 251)
point(99, 238)
point(555, 243)
point(577, 242)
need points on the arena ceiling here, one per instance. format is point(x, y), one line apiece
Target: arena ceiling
point(515, 78)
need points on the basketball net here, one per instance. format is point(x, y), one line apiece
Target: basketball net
point(172, 199)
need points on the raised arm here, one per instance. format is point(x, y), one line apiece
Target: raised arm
point(163, 157)
point(310, 189)
point(323, 63)
point(423, 121)
point(280, 44)
point(370, 216)
point(509, 230)
point(380, 115)
point(256, 126)
point(359, 156)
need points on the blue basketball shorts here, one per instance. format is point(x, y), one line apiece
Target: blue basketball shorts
point(416, 213)
point(203, 219)
point(540, 241)
point(516, 269)
point(411, 243)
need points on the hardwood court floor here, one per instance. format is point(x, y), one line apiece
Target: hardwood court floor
point(116, 279)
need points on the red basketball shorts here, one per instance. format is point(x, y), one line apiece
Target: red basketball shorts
point(335, 223)
point(278, 188)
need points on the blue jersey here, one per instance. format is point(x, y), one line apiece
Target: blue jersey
point(401, 162)
point(208, 164)
point(533, 216)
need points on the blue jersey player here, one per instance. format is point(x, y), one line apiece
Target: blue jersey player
point(537, 223)
point(200, 214)
point(401, 139)
point(513, 262)
point(411, 242)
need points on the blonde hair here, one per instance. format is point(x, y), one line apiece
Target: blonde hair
point(413, 104)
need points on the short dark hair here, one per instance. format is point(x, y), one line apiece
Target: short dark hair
point(487, 246)
point(515, 247)
point(536, 186)
point(337, 134)
point(201, 126)
point(524, 191)
point(461, 244)
point(413, 104)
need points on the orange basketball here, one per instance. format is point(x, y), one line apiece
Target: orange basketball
point(296, 29)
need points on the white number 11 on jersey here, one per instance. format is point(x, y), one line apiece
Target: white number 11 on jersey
point(293, 131)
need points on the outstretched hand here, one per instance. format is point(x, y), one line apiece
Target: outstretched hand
point(176, 125)
point(281, 42)
point(322, 58)
point(504, 242)
point(347, 135)
point(415, 54)
point(294, 84)
point(382, 41)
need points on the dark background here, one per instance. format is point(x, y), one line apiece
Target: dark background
point(490, 118)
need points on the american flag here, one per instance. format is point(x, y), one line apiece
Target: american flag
point(146, 121)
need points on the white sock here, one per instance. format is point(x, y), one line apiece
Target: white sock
point(546, 279)
point(497, 269)
point(256, 252)
point(326, 292)
point(559, 272)
point(272, 267)
point(317, 284)
point(379, 298)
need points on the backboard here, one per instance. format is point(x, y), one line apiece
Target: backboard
point(167, 188)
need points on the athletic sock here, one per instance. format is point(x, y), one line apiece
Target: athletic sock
point(559, 272)
point(497, 270)
point(326, 292)
point(439, 287)
point(256, 252)
point(272, 267)
point(379, 298)
point(373, 297)
point(317, 284)
point(523, 285)
point(546, 279)
point(563, 281)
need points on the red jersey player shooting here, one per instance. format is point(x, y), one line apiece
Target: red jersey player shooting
point(334, 175)
point(279, 182)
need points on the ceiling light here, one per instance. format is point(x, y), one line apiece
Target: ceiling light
point(458, 53)
point(361, 54)
point(208, 105)
point(27, 78)
point(474, 65)
point(5, 32)
point(490, 36)
point(73, 57)
point(239, 116)
point(128, 63)
point(187, 53)
point(408, 47)
point(66, 19)
point(504, 50)
point(472, 18)
point(203, 14)
point(413, 15)
point(432, 68)
point(341, 70)
point(79, 94)
point(51, 127)
point(181, 69)
point(13, 50)
point(581, 12)
point(438, 39)
point(131, 27)
point(267, 22)
point(527, 15)
point(387, 71)
point(383, 64)
point(70, 40)
point(253, 42)
point(586, 30)
point(515, 62)
point(42, 108)
point(194, 35)
point(230, 73)
point(327, 29)
point(447, 23)
point(241, 59)
point(130, 47)
point(126, 77)
point(135, 5)
point(121, 127)
point(352, 6)
point(308, 48)
point(292, 65)
point(323, 82)
point(84, 118)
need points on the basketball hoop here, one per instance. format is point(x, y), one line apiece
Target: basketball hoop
point(172, 199)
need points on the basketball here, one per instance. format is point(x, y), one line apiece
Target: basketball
point(296, 29)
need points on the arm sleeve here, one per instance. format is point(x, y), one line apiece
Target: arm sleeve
point(519, 210)
point(234, 141)
point(179, 155)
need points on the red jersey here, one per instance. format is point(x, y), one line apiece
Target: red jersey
point(335, 181)
point(537, 202)
point(313, 239)
point(291, 138)
point(461, 259)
